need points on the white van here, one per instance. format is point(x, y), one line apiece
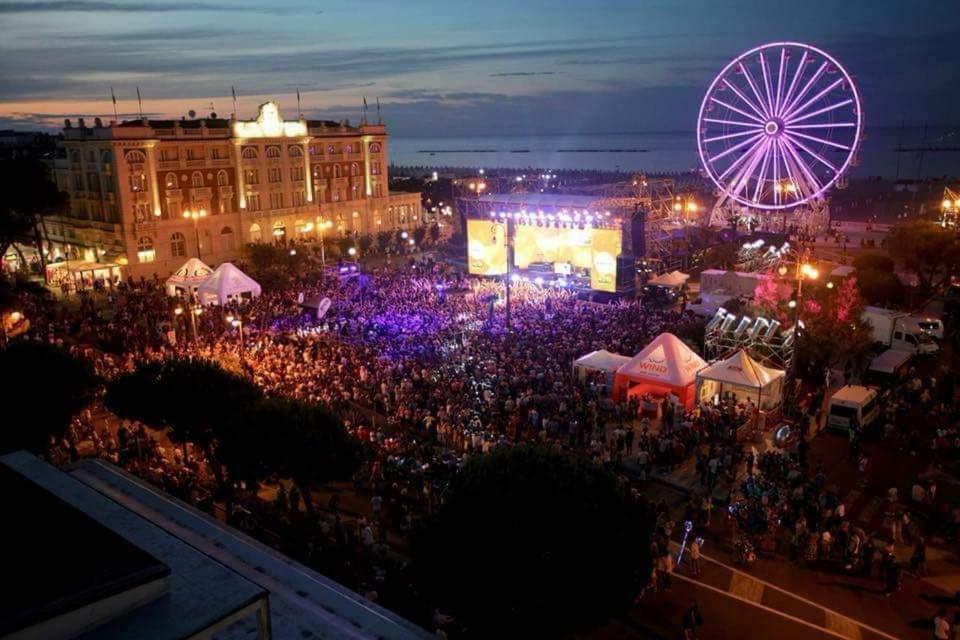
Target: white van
point(932, 327)
point(853, 408)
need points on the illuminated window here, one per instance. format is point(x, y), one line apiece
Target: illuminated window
point(178, 245)
point(170, 180)
point(296, 174)
point(249, 153)
point(276, 200)
point(336, 171)
point(354, 169)
point(375, 168)
point(295, 152)
point(255, 233)
point(375, 147)
point(274, 174)
point(252, 176)
point(348, 148)
point(253, 202)
point(138, 182)
point(298, 199)
point(273, 152)
point(145, 250)
point(136, 157)
point(222, 179)
point(196, 180)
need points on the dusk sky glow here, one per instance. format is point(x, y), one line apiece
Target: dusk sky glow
point(452, 68)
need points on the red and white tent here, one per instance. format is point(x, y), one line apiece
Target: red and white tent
point(666, 365)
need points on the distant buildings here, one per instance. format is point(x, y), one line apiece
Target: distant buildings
point(145, 195)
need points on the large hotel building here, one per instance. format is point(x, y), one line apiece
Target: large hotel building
point(145, 195)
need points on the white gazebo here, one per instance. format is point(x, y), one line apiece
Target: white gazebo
point(672, 280)
point(744, 376)
point(227, 283)
point(187, 278)
point(601, 360)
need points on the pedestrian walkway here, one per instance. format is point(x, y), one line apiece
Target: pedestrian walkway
point(718, 577)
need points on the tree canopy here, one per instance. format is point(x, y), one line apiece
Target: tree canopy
point(44, 387)
point(533, 542)
point(926, 249)
point(26, 191)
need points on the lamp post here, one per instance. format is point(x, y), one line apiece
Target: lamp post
point(802, 270)
point(195, 214)
point(236, 321)
point(323, 226)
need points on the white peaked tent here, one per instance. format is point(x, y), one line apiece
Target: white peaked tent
point(187, 278)
point(227, 283)
point(673, 279)
point(601, 360)
point(744, 376)
point(666, 365)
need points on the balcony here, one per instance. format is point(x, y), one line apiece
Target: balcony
point(201, 192)
point(220, 162)
point(196, 162)
point(353, 157)
point(174, 193)
point(225, 192)
point(168, 164)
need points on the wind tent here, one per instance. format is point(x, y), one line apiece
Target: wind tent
point(742, 375)
point(665, 366)
point(227, 283)
point(672, 280)
point(187, 278)
point(601, 360)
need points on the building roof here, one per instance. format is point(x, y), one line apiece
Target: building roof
point(853, 394)
point(214, 570)
point(303, 603)
point(115, 548)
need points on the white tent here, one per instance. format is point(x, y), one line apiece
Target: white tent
point(666, 365)
point(227, 283)
point(187, 278)
point(673, 279)
point(744, 376)
point(601, 360)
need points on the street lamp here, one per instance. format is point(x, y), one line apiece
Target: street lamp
point(803, 270)
point(237, 323)
point(195, 215)
point(323, 226)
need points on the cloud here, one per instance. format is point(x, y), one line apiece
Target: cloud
point(103, 6)
point(520, 74)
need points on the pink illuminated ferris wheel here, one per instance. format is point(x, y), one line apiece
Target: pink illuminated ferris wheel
point(779, 125)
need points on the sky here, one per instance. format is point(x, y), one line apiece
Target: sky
point(457, 68)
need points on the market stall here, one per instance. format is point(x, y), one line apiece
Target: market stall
point(601, 360)
point(665, 366)
point(227, 283)
point(743, 379)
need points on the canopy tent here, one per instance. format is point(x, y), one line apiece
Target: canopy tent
point(601, 360)
point(666, 365)
point(187, 278)
point(742, 375)
point(227, 283)
point(673, 279)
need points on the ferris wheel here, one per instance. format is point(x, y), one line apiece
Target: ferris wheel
point(779, 126)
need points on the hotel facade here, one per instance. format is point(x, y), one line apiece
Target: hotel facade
point(146, 195)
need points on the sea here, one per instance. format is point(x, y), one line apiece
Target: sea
point(668, 152)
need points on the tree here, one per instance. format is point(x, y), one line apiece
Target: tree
point(418, 235)
point(33, 410)
point(926, 249)
point(365, 242)
point(434, 233)
point(534, 541)
point(873, 261)
point(198, 400)
point(301, 441)
point(26, 194)
point(722, 256)
point(383, 240)
point(772, 296)
point(835, 333)
point(881, 288)
point(344, 244)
